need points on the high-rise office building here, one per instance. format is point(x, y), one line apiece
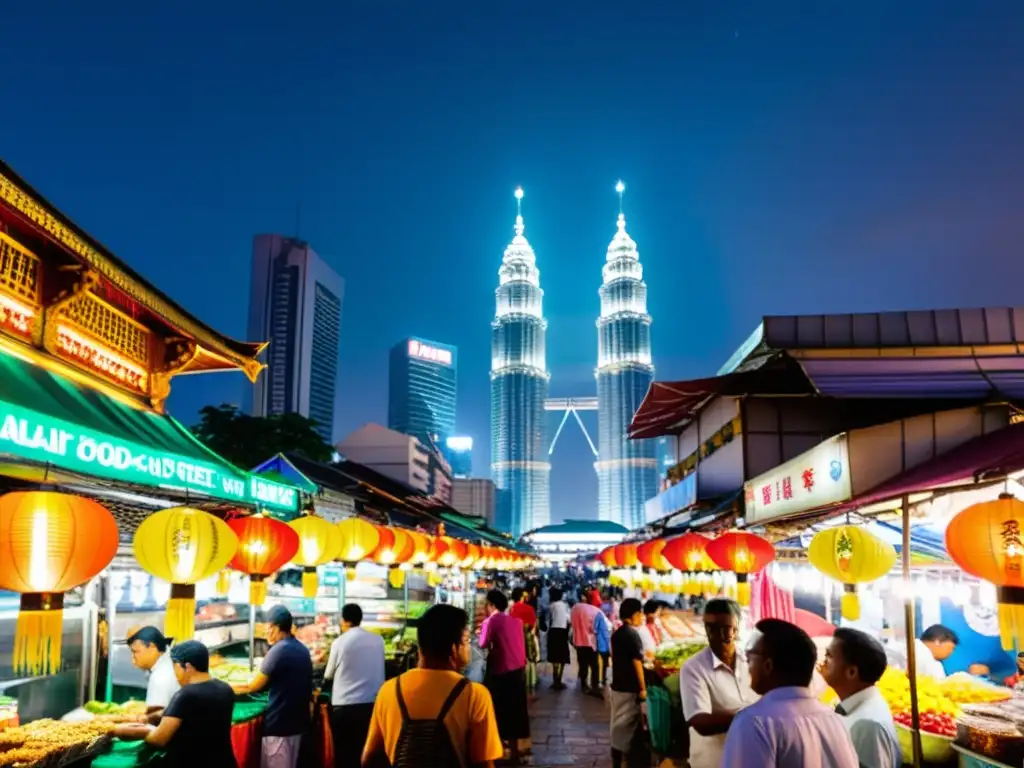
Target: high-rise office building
point(421, 390)
point(295, 303)
point(519, 387)
point(627, 470)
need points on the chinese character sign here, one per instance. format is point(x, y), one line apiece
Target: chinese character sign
point(817, 478)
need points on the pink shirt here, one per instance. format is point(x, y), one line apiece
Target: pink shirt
point(502, 636)
point(582, 619)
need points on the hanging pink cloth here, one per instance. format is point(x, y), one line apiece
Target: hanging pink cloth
point(768, 600)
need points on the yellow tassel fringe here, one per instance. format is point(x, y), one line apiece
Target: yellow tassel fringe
point(309, 583)
point(257, 591)
point(180, 619)
point(37, 642)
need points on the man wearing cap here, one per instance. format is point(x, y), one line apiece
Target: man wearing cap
point(149, 653)
point(287, 672)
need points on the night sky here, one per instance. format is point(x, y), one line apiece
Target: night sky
point(858, 157)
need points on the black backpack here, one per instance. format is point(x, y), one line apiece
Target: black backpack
point(427, 743)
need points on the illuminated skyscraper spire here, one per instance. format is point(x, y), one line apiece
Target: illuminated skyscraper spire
point(519, 387)
point(627, 472)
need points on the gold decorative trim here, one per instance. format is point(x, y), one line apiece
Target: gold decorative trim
point(160, 381)
point(35, 212)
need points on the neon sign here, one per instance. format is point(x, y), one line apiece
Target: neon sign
point(101, 359)
point(15, 316)
point(426, 352)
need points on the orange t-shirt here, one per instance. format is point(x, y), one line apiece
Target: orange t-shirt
point(470, 721)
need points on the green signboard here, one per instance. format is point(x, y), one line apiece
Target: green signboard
point(34, 436)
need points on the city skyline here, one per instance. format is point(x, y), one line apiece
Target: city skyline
point(780, 161)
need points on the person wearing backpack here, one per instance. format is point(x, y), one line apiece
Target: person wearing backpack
point(432, 716)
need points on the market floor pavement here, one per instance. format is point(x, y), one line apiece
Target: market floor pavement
point(569, 728)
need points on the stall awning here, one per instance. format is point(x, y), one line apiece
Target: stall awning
point(669, 406)
point(48, 419)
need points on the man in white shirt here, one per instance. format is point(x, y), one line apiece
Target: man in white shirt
point(937, 644)
point(149, 652)
point(788, 727)
point(356, 665)
point(854, 662)
point(715, 684)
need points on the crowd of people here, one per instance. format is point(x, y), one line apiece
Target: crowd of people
point(755, 705)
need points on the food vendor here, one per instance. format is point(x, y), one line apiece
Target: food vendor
point(854, 662)
point(196, 727)
point(149, 653)
point(650, 632)
point(937, 644)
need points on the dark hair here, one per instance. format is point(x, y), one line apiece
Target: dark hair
point(864, 652)
point(517, 594)
point(554, 595)
point(651, 606)
point(630, 607)
point(937, 633)
point(791, 650)
point(193, 653)
point(497, 598)
point(439, 629)
point(353, 614)
point(150, 636)
point(722, 605)
point(280, 617)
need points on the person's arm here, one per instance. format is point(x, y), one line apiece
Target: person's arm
point(485, 633)
point(333, 661)
point(374, 750)
point(259, 682)
point(638, 667)
point(161, 736)
point(693, 690)
point(869, 744)
point(483, 740)
point(748, 746)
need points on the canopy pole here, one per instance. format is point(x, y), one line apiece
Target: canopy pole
point(908, 622)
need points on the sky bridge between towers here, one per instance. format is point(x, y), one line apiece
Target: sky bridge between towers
point(571, 406)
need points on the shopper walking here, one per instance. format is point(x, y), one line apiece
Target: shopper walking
point(356, 666)
point(502, 637)
point(522, 610)
point(558, 637)
point(628, 690)
point(582, 617)
point(432, 716)
point(287, 673)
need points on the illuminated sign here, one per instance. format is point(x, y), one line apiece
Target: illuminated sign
point(816, 478)
point(459, 443)
point(101, 359)
point(15, 316)
point(423, 351)
point(33, 436)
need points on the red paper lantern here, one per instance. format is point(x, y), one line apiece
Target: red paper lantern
point(607, 557)
point(459, 551)
point(742, 553)
point(688, 552)
point(625, 555)
point(51, 542)
point(264, 546)
point(439, 552)
point(651, 555)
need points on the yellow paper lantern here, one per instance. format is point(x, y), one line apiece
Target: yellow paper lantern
point(182, 545)
point(396, 578)
point(319, 543)
point(358, 539)
point(852, 556)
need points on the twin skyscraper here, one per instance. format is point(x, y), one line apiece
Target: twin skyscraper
point(627, 470)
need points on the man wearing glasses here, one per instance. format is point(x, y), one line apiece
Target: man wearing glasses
point(715, 684)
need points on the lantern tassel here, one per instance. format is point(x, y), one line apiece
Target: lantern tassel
point(180, 617)
point(310, 583)
point(257, 590)
point(224, 582)
point(850, 602)
point(38, 634)
point(1011, 616)
point(742, 589)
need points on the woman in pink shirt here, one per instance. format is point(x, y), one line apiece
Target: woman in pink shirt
point(502, 637)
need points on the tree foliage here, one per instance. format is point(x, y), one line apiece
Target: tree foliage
point(247, 441)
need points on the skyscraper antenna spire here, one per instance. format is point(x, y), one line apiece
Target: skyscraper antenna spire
point(620, 187)
point(519, 211)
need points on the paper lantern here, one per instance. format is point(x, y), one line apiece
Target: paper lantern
point(742, 553)
point(607, 557)
point(49, 543)
point(420, 548)
point(439, 552)
point(182, 545)
point(384, 552)
point(396, 578)
point(651, 555)
point(457, 552)
point(319, 543)
point(625, 555)
point(358, 539)
point(853, 556)
point(688, 552)
point(471, 556)
point(405, 547)
point(987, 540)
point(264, 546)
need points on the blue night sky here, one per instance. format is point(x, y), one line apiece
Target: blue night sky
point(860, 156)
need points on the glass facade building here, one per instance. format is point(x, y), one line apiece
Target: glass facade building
point(295, 304)
point(421, 390)
point(627, 470)
point(519, 387)
point(459, 452)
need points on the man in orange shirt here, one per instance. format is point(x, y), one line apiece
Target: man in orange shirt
point(433, 716)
